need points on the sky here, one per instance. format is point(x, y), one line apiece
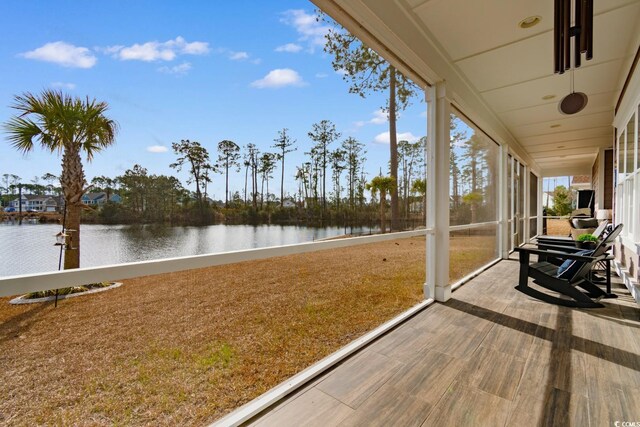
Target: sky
point(198, 70)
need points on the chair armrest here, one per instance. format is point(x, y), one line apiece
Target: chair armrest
point(556, 241)
point(561, 248)
point(561, 255)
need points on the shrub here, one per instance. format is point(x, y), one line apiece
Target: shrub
point(587, 238)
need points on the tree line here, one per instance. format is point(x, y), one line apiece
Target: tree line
point(331, 183)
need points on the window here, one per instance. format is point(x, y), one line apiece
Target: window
point(622, 142)
point(628, 185)
point(630, 151)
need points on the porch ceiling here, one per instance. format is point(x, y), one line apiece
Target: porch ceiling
point(479, 49)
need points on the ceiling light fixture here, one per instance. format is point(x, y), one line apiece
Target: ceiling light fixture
point(530, 21)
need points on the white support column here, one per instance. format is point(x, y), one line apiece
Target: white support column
point(428, 288)
point(438, 151)
point(504, 208)
point(526, 230)
point(540, 207)
point(512, 205)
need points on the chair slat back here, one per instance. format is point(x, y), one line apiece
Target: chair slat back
point(605, 243)
point(601, 229)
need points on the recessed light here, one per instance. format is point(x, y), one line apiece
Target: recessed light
point(548, 97)
point(530, 21)
point(555, 126)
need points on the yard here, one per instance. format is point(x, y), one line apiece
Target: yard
point(188, 347)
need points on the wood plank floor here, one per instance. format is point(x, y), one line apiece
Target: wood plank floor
point(490, 356)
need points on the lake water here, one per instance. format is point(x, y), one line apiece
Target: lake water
point(29, 248)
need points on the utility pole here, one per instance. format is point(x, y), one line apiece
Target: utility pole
point(20, 204)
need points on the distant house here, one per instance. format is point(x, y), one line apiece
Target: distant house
point(34, 202)
point(547, 199)
point(288, 203)
point(100, 198)
point(581, 182)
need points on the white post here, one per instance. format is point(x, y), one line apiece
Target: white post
point(428, 288)
point(540, 207)
point(504, 208)
point(512, 206)
point(438, 151)
point(526, 230)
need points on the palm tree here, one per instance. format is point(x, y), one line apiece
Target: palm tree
point(383, 184)
point(420, 186)
point(70, 126)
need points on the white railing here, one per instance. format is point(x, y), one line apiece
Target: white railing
point(470, 226)
point(16, 285)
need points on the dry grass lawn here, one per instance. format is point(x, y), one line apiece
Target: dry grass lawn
point(186, 348)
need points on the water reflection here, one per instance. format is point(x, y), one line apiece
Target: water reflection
point(28, 248)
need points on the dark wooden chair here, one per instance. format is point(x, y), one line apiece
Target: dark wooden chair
point(564, 279)
point(599, 232)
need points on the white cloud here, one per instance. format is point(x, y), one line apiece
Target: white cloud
point(151, 51)
point(383, 138)
point(308, 27)
point(379, 117)
point(357, 126)
point(238, 56)
point(109, 50)
point(157, 51)
point(64, 54)
point(279, 77)
point(63, 85)
point(341, 72)
point(157, 149)
point(177, 69)
point(321, 75)
point(289, 47)
point(193, 48)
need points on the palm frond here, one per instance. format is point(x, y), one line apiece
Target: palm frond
point(60, 122)
point(21, 132)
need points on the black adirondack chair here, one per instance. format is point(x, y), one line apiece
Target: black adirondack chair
point(567, 278)
point(600, 233)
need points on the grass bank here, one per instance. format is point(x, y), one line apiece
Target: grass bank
point(186, 348)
